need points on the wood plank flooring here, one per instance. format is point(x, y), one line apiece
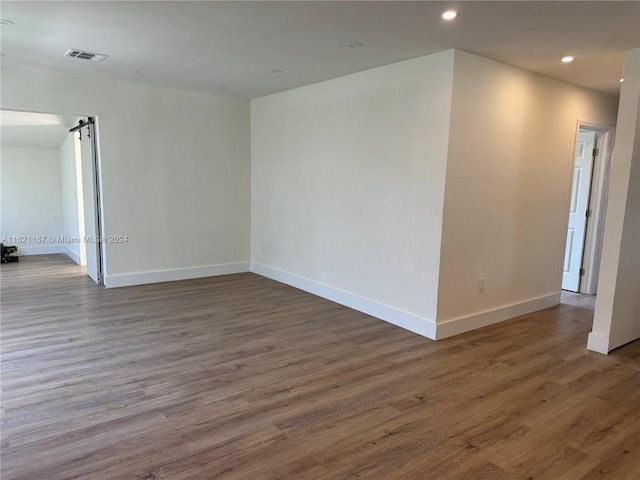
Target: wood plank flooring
point(240, 377)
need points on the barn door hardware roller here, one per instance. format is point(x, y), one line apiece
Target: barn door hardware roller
point(82, 123)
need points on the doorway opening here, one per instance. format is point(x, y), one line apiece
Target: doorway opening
point(587, 208)
point(51, 187)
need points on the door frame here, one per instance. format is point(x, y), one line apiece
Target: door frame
point(99, 198)
point(99, 191)
point(598, 193)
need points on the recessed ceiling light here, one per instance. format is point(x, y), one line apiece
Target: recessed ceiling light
point(4, 21)
point(621, 80)
point(355, 45)
point(449, 14)
point(567, 59)
point(275, 70)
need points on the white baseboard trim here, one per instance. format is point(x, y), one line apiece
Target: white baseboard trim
point(598, 343)
point(71, 254)
point(467, 323)
point(158, 276)
point(392, 315)
point(39, 249)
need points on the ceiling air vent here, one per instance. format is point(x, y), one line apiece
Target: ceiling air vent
point(81, 54)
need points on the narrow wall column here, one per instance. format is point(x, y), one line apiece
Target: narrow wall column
point(617, 315)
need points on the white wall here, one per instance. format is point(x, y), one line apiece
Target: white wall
point(347, 187)
point(507, 189)
point(70, 196)
point(31, 193)
point(617, 314)
point(361, 188)
point(175, 172)
point(391, 190)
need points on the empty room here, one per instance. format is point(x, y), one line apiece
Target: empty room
point(384, 240)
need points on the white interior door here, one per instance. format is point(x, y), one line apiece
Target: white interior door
point(578, 210)
point(89, 195)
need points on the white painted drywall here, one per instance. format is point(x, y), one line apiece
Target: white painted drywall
point(70, 197)
point(507, 185)
point(31, 193)
point(348, 185)
point(617, 313)
point(175, 170)
point(350, 178)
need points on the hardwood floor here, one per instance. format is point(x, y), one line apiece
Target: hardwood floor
point(240, 377)
point(578, 299)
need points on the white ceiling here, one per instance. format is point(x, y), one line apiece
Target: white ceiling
point(36, 130)
point(202, 46)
